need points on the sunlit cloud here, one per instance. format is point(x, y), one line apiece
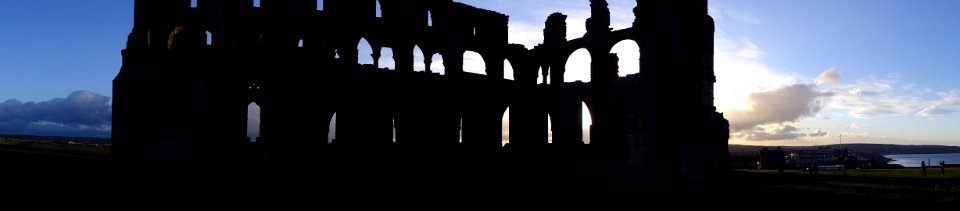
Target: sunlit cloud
point(782, 105)
point(829, 76)
point(740, 75)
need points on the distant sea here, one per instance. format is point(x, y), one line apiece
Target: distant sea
point(913, 160)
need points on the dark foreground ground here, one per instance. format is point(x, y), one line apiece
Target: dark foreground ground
point(89, 177)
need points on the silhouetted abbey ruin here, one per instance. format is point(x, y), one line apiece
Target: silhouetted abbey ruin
point(189, 74)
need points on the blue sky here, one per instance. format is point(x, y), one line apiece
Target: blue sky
point(876, 72)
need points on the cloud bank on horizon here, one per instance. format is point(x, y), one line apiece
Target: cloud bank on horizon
point(82, 113)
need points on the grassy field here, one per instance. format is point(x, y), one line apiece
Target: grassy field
point(888, 185)
point(22, 149)
point(911, 173)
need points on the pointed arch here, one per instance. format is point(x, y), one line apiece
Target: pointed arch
point(473, 63)
point(209, 38)
point(540, 77)
point(364, 52)
point(379, 11)
point(578, 66)
point(150, 36)
point(505, 128)
point(173, 35)
point(193, 3)
point(507, 70)
point(587, 122)
point(549, 129)
point(418, 60)
point(253, 121)
point(300, 43)
point(429, 19)
point(332, 129)
point(628, 53)
point(256, 3)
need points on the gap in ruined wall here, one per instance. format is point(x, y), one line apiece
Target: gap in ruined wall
point(386, 59)
point(621, 14)
point(364, 52)
point(379, 11)
point(578, 66)
point(505, 128)
point(507, 70)
point(629, 54)
point(429, 19)
point(209, 38)
point(473, 63)
point(253, 121)
point(540, 78)
point(549, 129)
point(332, 129)
point(587, 122)
point(172, 36)
point(437, 66)
point(418, 64)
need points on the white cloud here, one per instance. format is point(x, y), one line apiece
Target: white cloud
point(724, 14)
point(525, 33)
point(874, 97)
point(854, 126)
point(949, 104)
point(829, 76)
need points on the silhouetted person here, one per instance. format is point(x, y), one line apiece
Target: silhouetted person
point(943, 167)
point(923, 168)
